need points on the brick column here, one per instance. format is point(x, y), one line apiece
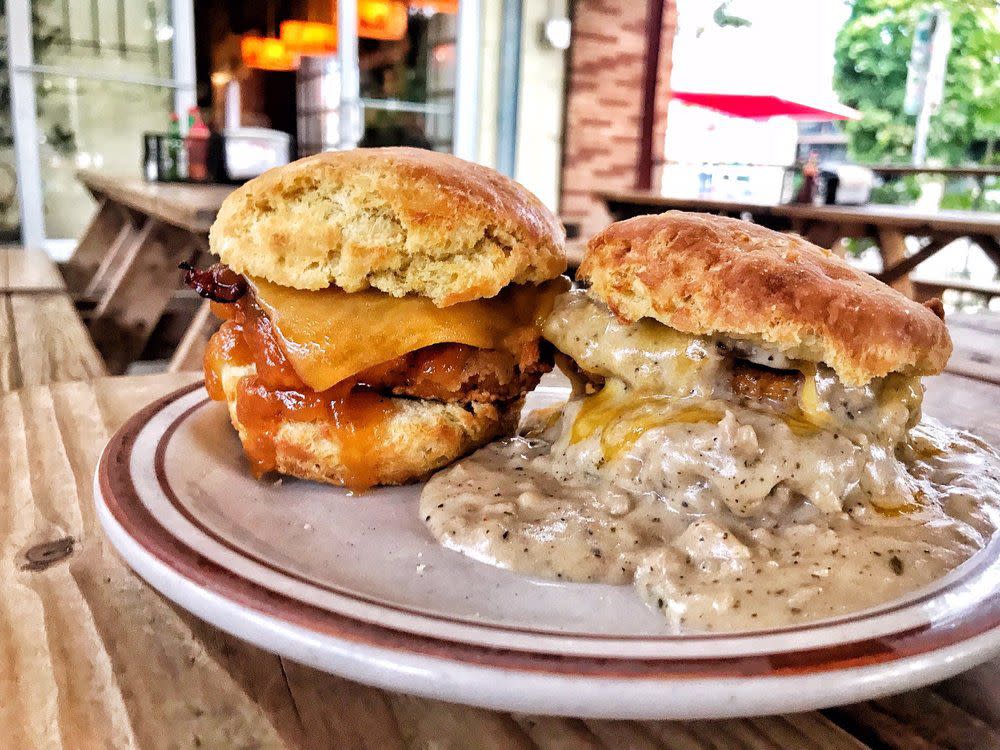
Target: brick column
point(604, 103)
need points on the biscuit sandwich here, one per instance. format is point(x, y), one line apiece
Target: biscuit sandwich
point(743, 441)
point(719, 361)
point(382, 312)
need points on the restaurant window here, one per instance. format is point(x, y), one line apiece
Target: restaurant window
point(407, 73)
point(87, 79)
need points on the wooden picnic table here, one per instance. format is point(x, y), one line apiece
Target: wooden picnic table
point(125, 264)
point(972, 170)
point(887, 226)
point(95, 658)
point(42, 339)
point(979, 173)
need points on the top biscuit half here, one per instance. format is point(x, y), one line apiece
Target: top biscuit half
point(401, 220)
point(708, 275)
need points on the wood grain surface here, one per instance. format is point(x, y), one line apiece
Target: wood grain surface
point(23, 270)
point(189, 206)
point(43, 340)
point(93, 658)
point(125, 264)
point(976, 338)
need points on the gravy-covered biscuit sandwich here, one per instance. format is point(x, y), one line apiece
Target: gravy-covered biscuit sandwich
point(382, 312)
point(743, 441)
point(700, 320)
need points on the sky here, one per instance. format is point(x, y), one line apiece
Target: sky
point(787, 49)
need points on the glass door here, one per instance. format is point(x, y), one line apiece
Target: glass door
point(87, 78)
point(405, 74)
point(408, 83)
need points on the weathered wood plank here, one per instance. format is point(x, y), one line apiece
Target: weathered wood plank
point(191, 351)
point(118, 252)
point(555, 733)
point(338, 713)
point(10, 368)
point(427, 723)
point(106, 225)
point(917, 719)
point(976, 692)
point(902, 268)
point(24, 270)
point(138, 292)
point(32, 271)
point(892, 246)
point(976, 354)
point(633, 735)
point(191, 207)
point(986, 321)
point(960, 401)
point(102, 660)
point(50, 341)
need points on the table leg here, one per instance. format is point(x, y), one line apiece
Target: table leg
point(191, 350)
point(892, 246)
point(900, 270)
point(989, 245)
point(138, 291)
point(824, 234)
point(114, 256)
point(106, 226)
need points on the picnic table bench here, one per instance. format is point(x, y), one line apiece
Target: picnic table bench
point(125, 264)
point(42, 339)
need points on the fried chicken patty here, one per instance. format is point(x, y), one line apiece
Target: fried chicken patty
point(460, 373)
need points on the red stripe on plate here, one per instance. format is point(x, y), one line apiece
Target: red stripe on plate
point(122, 500)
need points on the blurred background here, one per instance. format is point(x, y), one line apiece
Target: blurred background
point(869, 126)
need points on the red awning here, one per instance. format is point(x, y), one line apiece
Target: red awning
point(763, 106)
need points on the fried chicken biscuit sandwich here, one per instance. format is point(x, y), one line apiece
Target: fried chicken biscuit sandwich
point(382, 312)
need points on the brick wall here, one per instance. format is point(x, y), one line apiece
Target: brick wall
point(604, 103)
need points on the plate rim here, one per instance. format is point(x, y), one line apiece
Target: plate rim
point(910, 603)
point(967, 570)
point(198, 569)
point(599, 697)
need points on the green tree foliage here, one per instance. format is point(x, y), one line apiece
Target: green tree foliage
point(872, 52)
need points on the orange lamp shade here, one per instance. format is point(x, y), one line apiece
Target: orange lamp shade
point(382, 19)
point(267, 53)
point(441, 6)
point(309, 37)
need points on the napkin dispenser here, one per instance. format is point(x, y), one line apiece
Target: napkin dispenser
point(844, 184)
point(252, 151)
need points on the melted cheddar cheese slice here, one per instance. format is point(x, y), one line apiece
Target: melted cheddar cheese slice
point(330, 335)
point(624, 417)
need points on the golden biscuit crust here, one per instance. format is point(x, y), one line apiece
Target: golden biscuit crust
point(402, 220)
point(421, 437)
point(705, 274)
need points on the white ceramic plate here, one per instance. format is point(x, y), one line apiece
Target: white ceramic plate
point(357, 586)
